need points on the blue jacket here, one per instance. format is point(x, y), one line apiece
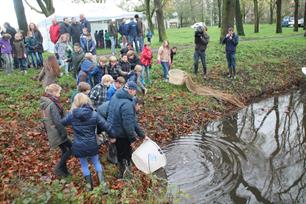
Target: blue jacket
point(85, 74)
point(110, 92)
point(88, 45)
point(124, 29)
point(98, 73)
point(122, 116)
point(231, 44)
point(132, 29)
point(84, 121)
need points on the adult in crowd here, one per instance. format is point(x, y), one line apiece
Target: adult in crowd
point(231, 41)
point(87, 43)
point(84, 121)
point(75, 31)
point(123, 30)
point(65, 26)
point(140, 31)
point(133, 33)
point(10, 30)
point(201, 39)
point(76, 58)
point(38, 36)
point(113, 33)
point(54, 31)
point(122, 117)
point(85, 23)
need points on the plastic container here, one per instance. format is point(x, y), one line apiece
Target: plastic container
point(304, 70)
point(148, 157)
point(177, 76)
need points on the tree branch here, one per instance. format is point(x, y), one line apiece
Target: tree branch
point(33, 8)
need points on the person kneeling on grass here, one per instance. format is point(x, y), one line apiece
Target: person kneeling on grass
point(135, 76)
point(98, 93)
point(84, 121)
point(53, 112)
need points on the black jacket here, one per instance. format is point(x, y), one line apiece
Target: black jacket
point(201, 40)
point(75, 32)
point(64, 28)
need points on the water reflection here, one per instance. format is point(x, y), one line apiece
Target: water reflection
point(256, 156)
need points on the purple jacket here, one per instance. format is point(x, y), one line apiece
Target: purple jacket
point(5, 46)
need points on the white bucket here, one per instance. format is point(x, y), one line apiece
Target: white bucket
point(148, 157)
point(177, 76)
point(304, 70)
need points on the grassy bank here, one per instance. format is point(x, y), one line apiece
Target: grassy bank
point(264, 66)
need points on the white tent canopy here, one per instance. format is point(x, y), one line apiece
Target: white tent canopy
point(97, 14)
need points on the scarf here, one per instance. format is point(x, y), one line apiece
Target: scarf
point(57, 102)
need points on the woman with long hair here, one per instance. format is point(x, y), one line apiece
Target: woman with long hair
point(50, 71)
point(37, 34)
point(164, 58)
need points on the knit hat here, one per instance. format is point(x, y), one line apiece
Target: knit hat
point(131, 85)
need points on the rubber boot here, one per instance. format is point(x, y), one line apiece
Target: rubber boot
point(127, 172)
point(59, 171)
point(120, 170)
point(88, 183)
point(102, 182)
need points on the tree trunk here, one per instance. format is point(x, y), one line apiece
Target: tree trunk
point(228, 16)
point(279, 16)
point(271, 11)
point(192, 12)
point(21, 17)
point(219, 13)
point(256, 17)
point(305, 16)
point(160, 21)
point(296, 16)
point(149, 15)
point(239, 23)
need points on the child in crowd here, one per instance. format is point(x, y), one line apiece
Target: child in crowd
point(83, 87)
point(84, 121)
point(149, 35)
point(98, 93)
point(53, 112)
point(172, 53)
point(124, 64)
point(6, 52)
point(118, 84)
point(76, 58)
point(63, 51)
point(87, 66)
point(114, 68)
point(32, 46)
point(20, 52)
point(50, 71)
point(125, 50)
point(87, 42)
point(164, 58)
point(100, 70)
point(146, 61)
point(135, 76)
point(133, 59)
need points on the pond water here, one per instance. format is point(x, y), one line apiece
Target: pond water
point(257, 155)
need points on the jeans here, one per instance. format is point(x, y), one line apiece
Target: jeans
point(66, 153)
point(165, 66)
point(9, 63)
point(35, 59)
point(21, 63)
point(231, 62)
point(113, 43)
point(133, 39)
point(140, 41)
point(199, 54)
point(95, 161)
point(41, 59)
point(124, 149)
point(146, 71)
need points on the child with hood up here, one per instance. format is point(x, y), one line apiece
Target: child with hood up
point(6, 52)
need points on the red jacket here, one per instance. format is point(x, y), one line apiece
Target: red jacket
point(54, 32)
point(146, 56)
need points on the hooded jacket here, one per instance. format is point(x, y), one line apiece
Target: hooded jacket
point(84, 121)
point(84, 74)
point(75, 32)
point(231, 44)
point(52, 121)
point(146, 56)
point(54, 32)
point(5, 44)
point(122, 116)
point(201, 40)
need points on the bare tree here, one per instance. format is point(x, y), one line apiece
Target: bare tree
point(150, 9)
point(296, 16)
point(160, 20)
point(228, 16)
point(279, 16)
point(21, 17)
point(46, 7)
point(256, 17)
point(272, 7)
point(219, 12)
point(238, 17)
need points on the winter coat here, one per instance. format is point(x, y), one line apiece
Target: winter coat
point(231, 44)
point(63, 49)
point(137, 80)
point(84, 74)
point(98, 94)
point(52, 121)
point(133, 62)
point(132, 29)
point(5, 46)
point(32, 44)
point(125, 66)
point(112, 30)
point(164, 55)
point(85, 24)
point(125, 50)
point(98, 73)
point(110, 92)
point(122, 116)
point(201, 41)
point(102, 110)
point(47, 75)
point(146, 56)
point(12, 31)
point(76, 59)
point(123, 29)
point(84, 121)
point(140, 28)
point(88, 45)
point(37, 34)
point(54, 32)
point(64, 28)
point(19, 49)
point(113, 70)
point(75, 32)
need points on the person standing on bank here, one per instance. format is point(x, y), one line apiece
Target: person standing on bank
point(54, 31)
point(231, 41)
point(75, 31)
point(123, 30)
point(140, 31)
point(85, 23)
point(113, 32)
point(201, 39)
point(65, 26)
